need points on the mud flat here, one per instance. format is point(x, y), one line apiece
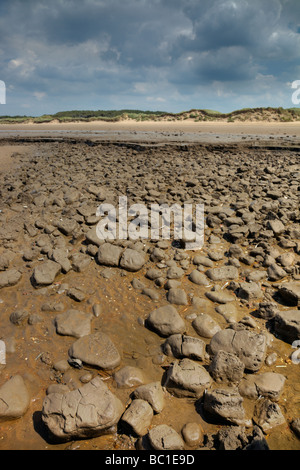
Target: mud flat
point(143, 344)
point(162, 131)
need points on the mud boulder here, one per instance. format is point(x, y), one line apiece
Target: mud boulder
point(109, 254)
point(45, 273)
point(73, 323)
point(268, 415)
point(132, 260)
point(287, 325)
point(97, 350)
point(152, 393)
point(163, 437)
point(87, 412)
point(268, 385)
point(138, 416)
point(14, 399)
point(224, 273)
point(226, 368)
point(9, 278)
point(187, 379)
point(249, 347)
point(166, 321)
point(225, 405)
point(181, 346)
point(290, 292)
point(250, 291)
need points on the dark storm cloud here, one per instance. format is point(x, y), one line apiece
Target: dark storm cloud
point(233, 40)
point(148, 51)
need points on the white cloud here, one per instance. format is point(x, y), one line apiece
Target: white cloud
point(157, 99)
point(39, 95)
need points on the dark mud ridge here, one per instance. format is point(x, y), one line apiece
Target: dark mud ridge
point(144, 344)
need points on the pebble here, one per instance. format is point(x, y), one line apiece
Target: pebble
point(192, 434)
point(205, 326)
point(138, 417)
point(177, 296)
point(165, 438)
point(128, 377)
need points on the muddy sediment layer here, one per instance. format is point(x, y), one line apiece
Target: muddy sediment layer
point(194, 348)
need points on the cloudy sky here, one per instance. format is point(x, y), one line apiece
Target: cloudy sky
point(170, 55)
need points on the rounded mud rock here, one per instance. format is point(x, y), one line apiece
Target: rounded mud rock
point(73, 323)
point(205, 326)
point(192, 434)
point(87, 412)
point(186, 378)
point(164, 437)
point(96, 350)
point(128, 377)
point(287, 325)
point(14, 399)
point(249, 347)
point(9, 278)
point(199, 278)
point(109, 254)
point(267, 385)
point(295, 426)
point(19, 317)
point(181, 346)
point(223, 273)
point(226, 368)
point(132, 260)
point(220, 296)
point(44, 274)
point(138, 417)
point(152, 393)
point(165, 321)
point(177, 296)
point(225, 405)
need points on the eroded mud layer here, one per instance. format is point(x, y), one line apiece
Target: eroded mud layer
point(144, 344)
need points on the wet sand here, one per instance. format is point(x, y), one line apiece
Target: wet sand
point(163, 131)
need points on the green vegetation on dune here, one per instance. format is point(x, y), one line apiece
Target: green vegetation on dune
point(104, 114)
point(197, 115)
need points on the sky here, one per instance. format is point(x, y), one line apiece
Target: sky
point(168, 55)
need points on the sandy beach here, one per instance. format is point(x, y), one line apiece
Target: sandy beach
point(162, 131)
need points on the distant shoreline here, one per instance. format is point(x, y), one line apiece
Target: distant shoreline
point(185, 126)
point(200, 116)
point(147, 132)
